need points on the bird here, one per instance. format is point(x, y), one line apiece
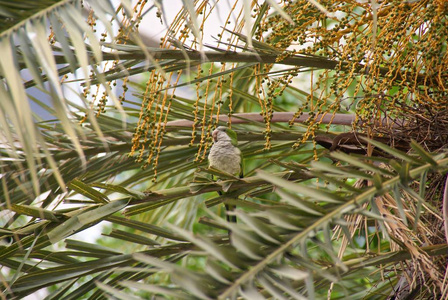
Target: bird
point(225, 156)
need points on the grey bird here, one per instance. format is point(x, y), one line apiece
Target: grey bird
point(225, 156)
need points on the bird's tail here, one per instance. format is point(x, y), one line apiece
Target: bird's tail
point(229, 208)
point(230, 218)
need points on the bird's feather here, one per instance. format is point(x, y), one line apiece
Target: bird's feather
point(225, 156)
point(233, 137)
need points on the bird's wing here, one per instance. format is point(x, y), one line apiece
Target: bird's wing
point(233, 137)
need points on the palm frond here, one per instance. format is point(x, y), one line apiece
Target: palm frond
point(323, 213)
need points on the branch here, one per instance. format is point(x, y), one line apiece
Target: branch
point(238, 186)
point(227, 56)
point(245, 57)
point(277, 117)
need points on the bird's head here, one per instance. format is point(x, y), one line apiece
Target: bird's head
point(222, 133)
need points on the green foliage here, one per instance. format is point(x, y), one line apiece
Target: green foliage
point(312, 223)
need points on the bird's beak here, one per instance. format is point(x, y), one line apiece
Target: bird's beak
point(215, 135)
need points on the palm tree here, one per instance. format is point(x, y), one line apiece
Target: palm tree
point(341, 113)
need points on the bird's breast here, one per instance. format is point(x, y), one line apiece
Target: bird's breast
point(225, 157)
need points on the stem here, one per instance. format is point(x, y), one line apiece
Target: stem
point(242, 118)
point(245, 57)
